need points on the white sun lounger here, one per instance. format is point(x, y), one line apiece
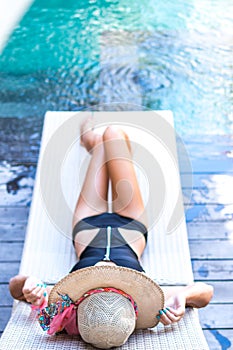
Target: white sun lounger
point(48, 251)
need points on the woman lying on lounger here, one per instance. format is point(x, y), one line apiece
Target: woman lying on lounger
point(107, 294)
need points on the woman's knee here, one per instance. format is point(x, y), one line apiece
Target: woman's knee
point(113, 133)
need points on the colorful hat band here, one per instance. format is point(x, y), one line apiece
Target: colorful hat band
point(57, 316)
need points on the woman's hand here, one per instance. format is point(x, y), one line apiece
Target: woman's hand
point(196, 295)
point(174, 309)
point(34, 291)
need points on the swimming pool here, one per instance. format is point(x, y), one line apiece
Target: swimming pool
point(75, 55)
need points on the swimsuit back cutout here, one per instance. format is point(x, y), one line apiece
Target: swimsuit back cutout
point(108, 244)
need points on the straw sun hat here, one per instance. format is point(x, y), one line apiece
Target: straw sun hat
point(108, 319)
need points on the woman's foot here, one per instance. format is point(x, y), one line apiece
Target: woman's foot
point(89, 139)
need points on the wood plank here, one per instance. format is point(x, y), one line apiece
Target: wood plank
point(217, 316)
point(221, 339)
point(222, 292)
point(210, 230)
point(212, 164)
point(22, 196)
point(5, 314)
point(20, 141)
point(209, 249)
point(202, 146)
point(19, 152)
point(12, 232)
point(11, 251)
point(16, 184)
point(219, 195)
point(210, 156)
point(213, 156)
point(14, 215)
point(212, 270)
point(6, 299)
point(205, 181)
point(210, 143)
point(203, 212)
point(8, 270)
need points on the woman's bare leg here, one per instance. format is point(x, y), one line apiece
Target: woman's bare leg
point(111, 158)
point(126, 194)
point(93, 196)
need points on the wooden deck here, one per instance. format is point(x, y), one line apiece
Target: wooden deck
point(209, 218)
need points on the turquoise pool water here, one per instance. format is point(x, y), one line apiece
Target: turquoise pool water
point(73, 55)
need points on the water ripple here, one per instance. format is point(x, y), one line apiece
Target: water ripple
point(172, 55)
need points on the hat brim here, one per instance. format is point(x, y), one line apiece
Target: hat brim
point(147, 294)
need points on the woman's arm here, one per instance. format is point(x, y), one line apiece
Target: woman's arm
point(198, 294)
point(177, 298)
point(30, 289)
